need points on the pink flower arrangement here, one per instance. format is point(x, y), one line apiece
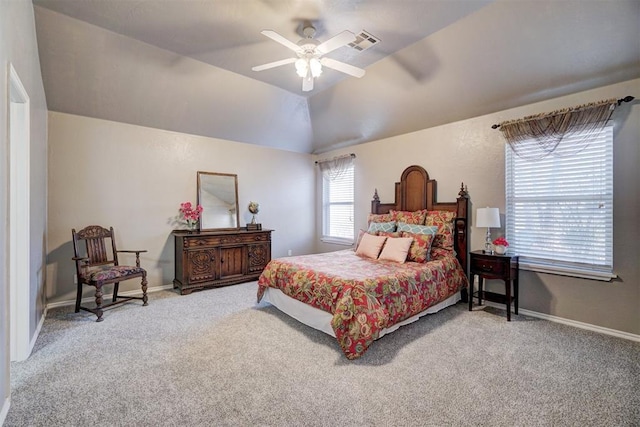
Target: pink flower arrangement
point(190, 215)
point(501, 241)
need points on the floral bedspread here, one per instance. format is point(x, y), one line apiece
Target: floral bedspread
point(363, 295)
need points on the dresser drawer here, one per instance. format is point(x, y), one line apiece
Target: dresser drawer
point(488, 265)
point(240, 238)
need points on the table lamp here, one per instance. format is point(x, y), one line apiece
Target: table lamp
point(490, 218)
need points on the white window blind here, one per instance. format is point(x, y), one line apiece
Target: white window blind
point(559, 215)
point(337, 206)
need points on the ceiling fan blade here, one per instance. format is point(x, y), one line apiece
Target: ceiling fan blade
point(280, 39)
point(342, 67)
point(307, 84)
point(337, 41)
point(274, 64)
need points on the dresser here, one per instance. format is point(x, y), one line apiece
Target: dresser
point(208, 259)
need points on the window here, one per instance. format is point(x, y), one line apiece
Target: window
point(559, 215)
point(337, 205)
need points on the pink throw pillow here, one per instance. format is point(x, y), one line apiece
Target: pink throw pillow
point(396, 249)
point(370, 246)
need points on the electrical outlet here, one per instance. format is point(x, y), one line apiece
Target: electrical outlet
point(75, 279)
point(289, 252)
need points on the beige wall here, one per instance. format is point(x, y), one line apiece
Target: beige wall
point(134, 178)
point(470, 151)
point(18, 47)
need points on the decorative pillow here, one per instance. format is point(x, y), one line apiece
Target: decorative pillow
point(370, 246)
point(417, 229)
point(421, 246)
point(374, 227)
point(389, 233)
point(415, 217)
point(439, 253)
point(444, 221)
point(360, 234)
point(396, 249)
point(379, 218)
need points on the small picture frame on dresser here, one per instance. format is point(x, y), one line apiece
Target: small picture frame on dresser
point(254, 227)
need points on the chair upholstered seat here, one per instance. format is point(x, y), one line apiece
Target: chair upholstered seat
point(104, 274)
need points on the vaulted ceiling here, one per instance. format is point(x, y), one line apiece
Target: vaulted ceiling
point(185, 66)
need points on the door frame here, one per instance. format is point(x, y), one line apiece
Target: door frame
point(19, 217)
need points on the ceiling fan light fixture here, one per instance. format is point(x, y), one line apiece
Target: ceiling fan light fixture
point(316, 67)
point(311, 55)
point(302, 67)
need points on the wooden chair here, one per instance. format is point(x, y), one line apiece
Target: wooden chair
point(96, 268)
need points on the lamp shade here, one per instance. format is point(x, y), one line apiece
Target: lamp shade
point(488, 217)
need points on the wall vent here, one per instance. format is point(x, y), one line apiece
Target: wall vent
point(364, 41)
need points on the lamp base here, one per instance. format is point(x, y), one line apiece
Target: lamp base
point(488, 246)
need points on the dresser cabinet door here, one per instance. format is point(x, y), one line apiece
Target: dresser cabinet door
point(201, 265)
point(231, 262)
point(259, 256)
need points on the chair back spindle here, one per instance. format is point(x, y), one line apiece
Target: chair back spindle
point(96, 251)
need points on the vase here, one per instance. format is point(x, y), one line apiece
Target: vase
point(500, 249)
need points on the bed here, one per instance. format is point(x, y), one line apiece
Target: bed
point(358, 299)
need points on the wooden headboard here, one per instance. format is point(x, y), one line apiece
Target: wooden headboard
point(416, 191)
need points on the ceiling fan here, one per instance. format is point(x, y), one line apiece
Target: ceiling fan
point(310, 55)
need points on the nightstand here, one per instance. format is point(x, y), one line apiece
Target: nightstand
point(494, 266)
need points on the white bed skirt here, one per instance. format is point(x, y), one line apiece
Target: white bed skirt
point(321, 320)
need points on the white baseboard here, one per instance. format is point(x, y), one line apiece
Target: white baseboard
point(124, 294)
point(5, 410)
point(37, 333)
point(574, 323)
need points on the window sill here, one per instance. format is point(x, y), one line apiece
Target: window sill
point(336, 241)
point(566, 271)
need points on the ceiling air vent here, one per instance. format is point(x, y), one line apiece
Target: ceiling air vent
point(364, 41)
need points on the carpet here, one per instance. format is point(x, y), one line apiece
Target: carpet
point(216, 358)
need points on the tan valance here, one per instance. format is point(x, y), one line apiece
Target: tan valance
point(549, 129)
point(333, 168)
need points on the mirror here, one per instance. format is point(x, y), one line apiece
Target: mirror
point(218, 196)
